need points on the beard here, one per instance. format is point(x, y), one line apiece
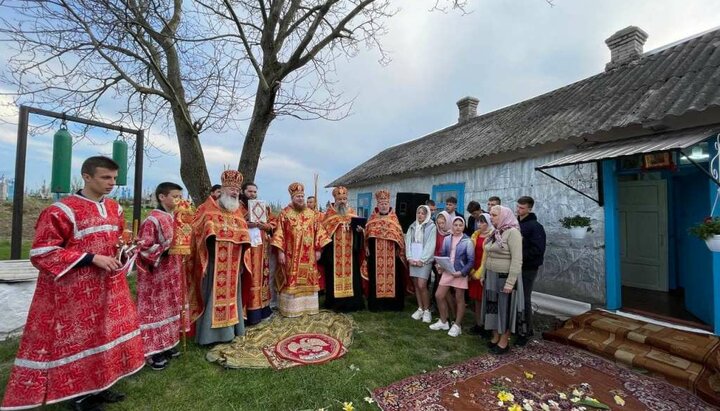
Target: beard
point(228, 202)
point(341, 209)
point(299, 207)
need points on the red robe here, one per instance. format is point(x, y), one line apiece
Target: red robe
point(256, 281)
point(159, 286)
point(82, 332)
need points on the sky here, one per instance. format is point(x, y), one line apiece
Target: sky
point(502, 52)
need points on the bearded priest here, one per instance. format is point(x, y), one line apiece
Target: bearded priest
point(219, 240)
point(386, 264)
point(299, 238)
point(343, 258)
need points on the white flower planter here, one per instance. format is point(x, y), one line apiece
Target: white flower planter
point(713, 243)
point(578, 233)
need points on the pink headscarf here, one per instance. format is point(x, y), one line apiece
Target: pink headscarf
point(447, 230)
point(507, 220)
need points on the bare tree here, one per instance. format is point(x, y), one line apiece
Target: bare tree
point(293, 46)
point(190, 66)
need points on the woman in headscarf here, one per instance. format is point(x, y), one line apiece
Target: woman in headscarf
point(475, 288)
point(503, 304)
point(420, 252)
point(443, 225)
point(461, 252)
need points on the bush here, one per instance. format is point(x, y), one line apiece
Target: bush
point(709, 227)
point(576, 221)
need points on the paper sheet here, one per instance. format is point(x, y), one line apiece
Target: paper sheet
point(445, 265)
point(255, 236)
point(416, 251)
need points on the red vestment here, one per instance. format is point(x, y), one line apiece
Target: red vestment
point(386, 268)
point(230, 234)
point(256, 280)
point(299, 234)
point(159, 286)
point(82, 332)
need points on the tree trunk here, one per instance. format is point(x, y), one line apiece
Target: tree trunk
point(193, 169)
point(262, 116)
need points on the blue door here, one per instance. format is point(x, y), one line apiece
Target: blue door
point(364, 204)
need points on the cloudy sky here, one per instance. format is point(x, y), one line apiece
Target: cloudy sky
point(503, 52)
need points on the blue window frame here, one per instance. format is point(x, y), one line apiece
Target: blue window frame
point(442, 191)
point(364, 204)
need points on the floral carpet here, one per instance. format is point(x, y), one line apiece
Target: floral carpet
point(540, 376)
point(257, 348)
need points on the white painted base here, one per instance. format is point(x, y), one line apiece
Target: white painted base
point(15, 299)
point(559, 307)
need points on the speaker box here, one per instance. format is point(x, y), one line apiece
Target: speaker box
point(405, 206)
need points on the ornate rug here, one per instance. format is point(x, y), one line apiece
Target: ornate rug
point(540, 376)
point(257, 349)
point(686, 359)
point(304, 349)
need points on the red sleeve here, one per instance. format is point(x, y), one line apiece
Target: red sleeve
point(151, 247)
point(52, 230)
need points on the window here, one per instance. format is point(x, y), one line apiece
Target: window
point(364, 204)
point(441, 192)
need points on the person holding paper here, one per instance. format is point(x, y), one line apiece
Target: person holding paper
point(256, 281)
point(455, 262)
point(420, 248)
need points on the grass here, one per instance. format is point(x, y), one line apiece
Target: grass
point(387, 347)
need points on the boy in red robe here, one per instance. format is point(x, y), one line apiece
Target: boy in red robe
point(159, 286)
point(82, 333)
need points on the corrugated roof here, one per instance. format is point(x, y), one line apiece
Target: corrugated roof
point(672, 82)
point(677, 140)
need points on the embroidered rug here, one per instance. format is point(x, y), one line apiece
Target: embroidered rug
point(304, 349)
point(257, 349)
point(686, 359)
point(541, 375)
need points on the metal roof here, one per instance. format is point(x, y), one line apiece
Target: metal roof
point(657, 143)
point(659, 86)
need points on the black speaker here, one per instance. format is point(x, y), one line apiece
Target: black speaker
point(405, 206)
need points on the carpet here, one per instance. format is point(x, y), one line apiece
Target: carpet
point(686, 359)
point(540, 376)
point(257, 348)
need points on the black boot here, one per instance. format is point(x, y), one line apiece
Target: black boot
point(86, 403)
point(172, 353)
point(110, 396)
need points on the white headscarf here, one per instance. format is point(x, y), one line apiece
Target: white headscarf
point(420, 225)
point(490, 225)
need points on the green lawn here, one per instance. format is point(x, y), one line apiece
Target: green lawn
point(5, 249)
point(387, 347)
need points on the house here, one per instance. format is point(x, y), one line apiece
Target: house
point(629, 147)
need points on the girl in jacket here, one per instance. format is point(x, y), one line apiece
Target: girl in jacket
point(461, 252)
point(420, 251)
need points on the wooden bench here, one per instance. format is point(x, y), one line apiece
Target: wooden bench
point(12, 271)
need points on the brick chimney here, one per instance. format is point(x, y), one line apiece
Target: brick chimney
point(625, 46)
point(467, 106)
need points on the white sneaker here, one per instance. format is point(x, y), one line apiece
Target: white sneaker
point(439, 325)
point(426, 317)
point(455, 330)
point(417, 314)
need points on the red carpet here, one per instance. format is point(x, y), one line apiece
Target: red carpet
point(304, 349)
point(542, 375)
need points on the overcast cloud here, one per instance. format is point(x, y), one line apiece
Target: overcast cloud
point(502, 53)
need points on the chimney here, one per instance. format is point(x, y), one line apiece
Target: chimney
point(625, 46)
point(467, 106)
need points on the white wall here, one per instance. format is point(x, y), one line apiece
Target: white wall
point(573, 268)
